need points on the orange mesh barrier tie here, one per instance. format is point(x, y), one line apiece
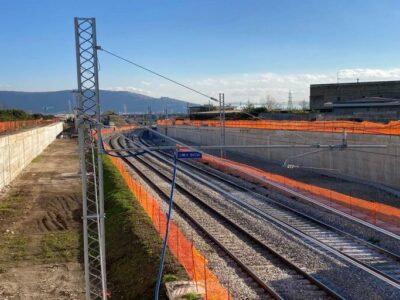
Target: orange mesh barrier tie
point(392, 128)
point(373, 211)
point(193, 262)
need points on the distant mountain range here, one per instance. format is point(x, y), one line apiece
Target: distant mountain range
point(62, 102)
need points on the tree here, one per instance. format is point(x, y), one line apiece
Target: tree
point(270, 103)
point(249, 107)
point(304, 105)
point(109, 112)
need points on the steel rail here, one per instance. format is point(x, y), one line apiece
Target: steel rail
point(184, 190)
point(368, 268)
point(291, 192)
point(302, 215)
point(164, 196)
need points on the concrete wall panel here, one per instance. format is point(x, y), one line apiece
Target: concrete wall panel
point(378, 165)
point(19, 149)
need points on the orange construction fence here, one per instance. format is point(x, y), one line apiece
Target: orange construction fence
point(392, 128)
point(182, 248)
point(122, 128)
point(372, 212)
point(21, 124)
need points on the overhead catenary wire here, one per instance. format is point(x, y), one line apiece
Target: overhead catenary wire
point(166, 78)
point(157, 74)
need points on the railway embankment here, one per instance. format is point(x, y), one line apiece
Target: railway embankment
point(132, 243)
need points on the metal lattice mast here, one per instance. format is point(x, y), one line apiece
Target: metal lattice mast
point(89, 127)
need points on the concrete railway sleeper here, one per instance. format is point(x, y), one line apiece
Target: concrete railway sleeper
point(378, 260)
point(254, 257)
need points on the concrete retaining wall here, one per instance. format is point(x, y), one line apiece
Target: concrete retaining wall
point(19, 149)
point(378, 165)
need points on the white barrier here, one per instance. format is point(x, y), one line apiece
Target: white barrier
point(19, 149)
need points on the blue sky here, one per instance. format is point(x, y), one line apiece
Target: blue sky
point(247, 49)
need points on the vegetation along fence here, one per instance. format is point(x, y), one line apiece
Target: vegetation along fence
point(21, 124)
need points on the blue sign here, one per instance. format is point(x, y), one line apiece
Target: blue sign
point(189, 154)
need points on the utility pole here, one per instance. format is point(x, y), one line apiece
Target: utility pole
point(222, 121)
point(149, 116)
point(77, 105)
point(89, 127)
point(70, 106)
point(290, 101)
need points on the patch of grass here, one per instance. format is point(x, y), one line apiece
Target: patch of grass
point(133, 245)
point(59, 245)
point(6, 210)
point(169, 278)
point(191, 296)
point(37, 159)
point(13, 247)
point(9, 206)
point(13, 114)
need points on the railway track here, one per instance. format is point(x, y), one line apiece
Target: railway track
point(255, 258)
point(375, 260)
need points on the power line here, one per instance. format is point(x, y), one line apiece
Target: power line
point(157, 74)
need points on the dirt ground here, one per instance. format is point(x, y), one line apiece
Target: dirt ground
point(40, 230)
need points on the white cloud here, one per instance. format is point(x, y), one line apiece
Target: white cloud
point(255, 87)
point(369, 74)
point(131, 89)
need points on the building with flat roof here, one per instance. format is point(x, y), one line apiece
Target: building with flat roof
point(324, 97)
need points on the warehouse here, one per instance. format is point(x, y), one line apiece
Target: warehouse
point(325, 96)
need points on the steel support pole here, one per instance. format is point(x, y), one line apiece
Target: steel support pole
point(223, 125)
point(221, 101)
point(100, 166)
point(89, 128)
point(81, 140)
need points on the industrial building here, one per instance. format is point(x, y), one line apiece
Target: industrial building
point(374, 101)
point(323, 96)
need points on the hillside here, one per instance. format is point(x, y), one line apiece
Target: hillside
point(60, 102)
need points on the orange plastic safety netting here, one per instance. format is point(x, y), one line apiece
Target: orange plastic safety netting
point(111, 130)
point(380, 214)
point(15, 125)
point(181, 247)
point(391, 128)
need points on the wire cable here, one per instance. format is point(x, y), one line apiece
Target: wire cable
point(157, 74)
